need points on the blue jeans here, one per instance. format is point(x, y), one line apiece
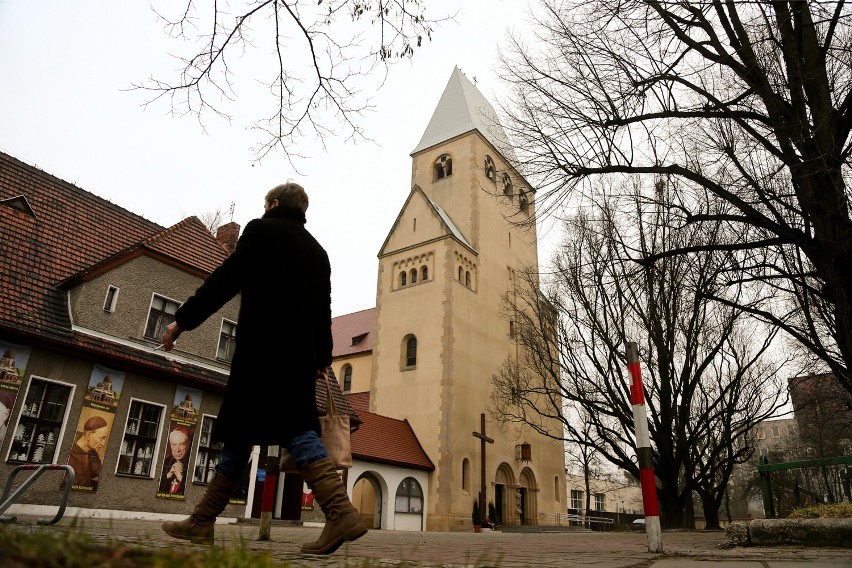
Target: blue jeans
point(305, 447)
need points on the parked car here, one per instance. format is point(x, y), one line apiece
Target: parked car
point(638, 525)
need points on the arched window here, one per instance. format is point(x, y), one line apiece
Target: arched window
point(467, 279)
point(424, 274)
point(414, 276)
point(411, 351)
point(506, 182)
point(490, 170)
point(556, 492)
point(347, 378)
point(466, 475)
point(403, 278)
point(409, 497)
point(443, 166)
point(461, 273)
point(523, 201)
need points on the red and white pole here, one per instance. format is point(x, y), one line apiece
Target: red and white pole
point(643, 451)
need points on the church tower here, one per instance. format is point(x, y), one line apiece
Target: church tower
point(441, 333)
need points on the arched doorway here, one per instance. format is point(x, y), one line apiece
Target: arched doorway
point(527, 498)
point(504, 495)
point(367, 498)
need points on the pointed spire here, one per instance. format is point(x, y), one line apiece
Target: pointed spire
point(463, 108)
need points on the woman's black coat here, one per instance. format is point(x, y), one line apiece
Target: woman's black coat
point(283, 332)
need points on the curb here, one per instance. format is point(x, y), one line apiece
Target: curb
point(809, 532)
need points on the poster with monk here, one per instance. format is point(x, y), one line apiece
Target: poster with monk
point(13, 365)
point(184, 417)
point(94, 427)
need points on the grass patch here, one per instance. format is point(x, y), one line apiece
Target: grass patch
point(23, 549)
point(824, 511)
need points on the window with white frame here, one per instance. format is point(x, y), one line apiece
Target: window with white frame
point(576, 499)
point(227, 341)
point(600, 502)
point(139, 443)
point(409, 497)
point(41, 422)
point(160, 315)
point(111, 298)
point(207, 455)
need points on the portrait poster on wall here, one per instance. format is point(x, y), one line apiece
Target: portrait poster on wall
point(13, 365)
point(182, 424)
point(94, 427)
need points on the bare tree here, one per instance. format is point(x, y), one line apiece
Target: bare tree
point(708, 379)
point(311, 55)
point(747, 102)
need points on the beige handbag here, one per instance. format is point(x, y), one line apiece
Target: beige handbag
point(335, 436)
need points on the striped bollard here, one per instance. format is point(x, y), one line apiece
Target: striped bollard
point(643, 451)
point(270, 484)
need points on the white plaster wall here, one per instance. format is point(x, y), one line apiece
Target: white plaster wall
point(389, 478)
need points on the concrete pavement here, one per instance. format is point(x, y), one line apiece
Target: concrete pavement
point(687, 549)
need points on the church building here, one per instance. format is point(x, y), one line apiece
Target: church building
point(438, 331)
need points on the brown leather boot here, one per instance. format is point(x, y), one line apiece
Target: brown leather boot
point(342, 520)
point(198, 527)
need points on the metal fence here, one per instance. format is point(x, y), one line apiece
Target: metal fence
point(796, 484)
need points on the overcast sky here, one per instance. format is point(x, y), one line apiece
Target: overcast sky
point(65, 107)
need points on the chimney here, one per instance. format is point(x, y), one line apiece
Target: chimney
point(227, 235)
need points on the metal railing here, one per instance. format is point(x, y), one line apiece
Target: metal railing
point(9, 498)
point(817, 481)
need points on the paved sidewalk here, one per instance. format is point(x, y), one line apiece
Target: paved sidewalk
point(688, 549)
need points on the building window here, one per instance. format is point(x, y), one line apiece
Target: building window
point(600, 500)
point(512, 329)
point(466, 475)
point(523, 201)
point(443, 166)
point(424, 274)
point(557, 494)
point(111, 297)
point(461, 273)
point(467, 279)
point(347, 378)
point(776, 432)
point(208, 452)
point(490, 170)
point(41, 422)
point(139, 444)
point(162, 313)
point(506, 182)
point(761, 435)
point(576, 499)
point(227, 341)
point(403, 278)
point(413, 276)
point(410, 352)
point(409, 497)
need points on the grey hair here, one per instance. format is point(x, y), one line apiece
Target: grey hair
point(289, 194)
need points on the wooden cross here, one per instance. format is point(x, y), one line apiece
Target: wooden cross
point(483, 439)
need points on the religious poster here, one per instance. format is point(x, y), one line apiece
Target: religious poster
point(183, 422)
point(13, 364)
point(94, 428)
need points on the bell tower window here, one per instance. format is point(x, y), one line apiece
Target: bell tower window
point(490, 170)
point(443, 166)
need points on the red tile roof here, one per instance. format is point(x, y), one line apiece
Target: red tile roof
point(388, 440)
point(356, 325)
point(359, 400)
point(73, 234)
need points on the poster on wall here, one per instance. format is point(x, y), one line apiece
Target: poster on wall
point(182, 424)
point(13, 365)
point(94, 427)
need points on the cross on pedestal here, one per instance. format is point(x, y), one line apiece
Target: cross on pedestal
point(483, 439)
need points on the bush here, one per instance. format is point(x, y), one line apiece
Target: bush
point(476, 514)
point(824, 511)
